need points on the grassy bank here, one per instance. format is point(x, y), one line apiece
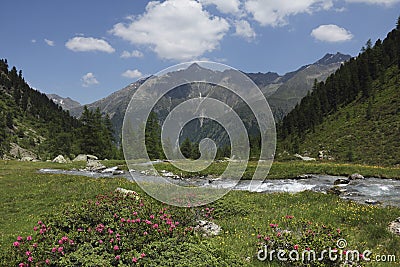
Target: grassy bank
point(27, 196)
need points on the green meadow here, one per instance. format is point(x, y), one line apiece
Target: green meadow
point(307, 219)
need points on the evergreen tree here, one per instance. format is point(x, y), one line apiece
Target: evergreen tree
point(153, 137)
point(186, 148)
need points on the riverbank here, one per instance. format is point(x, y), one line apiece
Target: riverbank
point(28, 196)
point(293, 170)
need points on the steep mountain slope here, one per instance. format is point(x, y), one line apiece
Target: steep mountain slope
point(65, 102)
point(354, 115)
point(34, 127)
point(297, 84)
point(29, 120)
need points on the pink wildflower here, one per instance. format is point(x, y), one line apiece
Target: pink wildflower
point(29, 238)
point(30, 259)
point(116, 247)
point(19, 238)
point(16, 244)
point(118, 257)
point(134, 259)
point(142, 255)
point(47, 261)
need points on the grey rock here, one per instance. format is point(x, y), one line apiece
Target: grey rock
point(207, 228)
point(60, 159)
point(113, 170)
point(372, 202)
point(394, 227)
point(335, 191)
point(27, 159)
point(94, 165)
point(83, 157)
point(304, 157)
point(356, 176)
point(304, 176)
point(341, 181)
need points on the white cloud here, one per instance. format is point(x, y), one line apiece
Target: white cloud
point(33, 41)
point(84, 44)
point(89, 79)
point(275, 13)
point(331, 33)
point(224, 6)
point(175, 29)
point(377, 2)
point(134, 53)
point(49, 42)
point(132, 74)
point(244, 29)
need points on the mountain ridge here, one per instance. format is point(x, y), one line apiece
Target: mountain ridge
point(271, 84)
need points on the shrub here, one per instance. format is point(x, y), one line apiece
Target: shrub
point(117, 230)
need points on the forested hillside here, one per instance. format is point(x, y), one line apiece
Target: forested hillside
point(33, 125)
point(354, 115)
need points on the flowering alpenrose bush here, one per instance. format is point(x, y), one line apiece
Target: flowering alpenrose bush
point(299, 242)
point(117, 230)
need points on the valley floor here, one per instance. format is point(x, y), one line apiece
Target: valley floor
point(246, 218)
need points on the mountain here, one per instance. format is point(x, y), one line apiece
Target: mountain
point(295, 85)
point(34, 127)
point(65, 102)
point(354, 115)
point(282, 92)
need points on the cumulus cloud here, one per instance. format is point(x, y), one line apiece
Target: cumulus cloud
point(49, 42)
point(132, 74)
point(275, 13)
point(224, 6)
point(174, 29)
point(331, 33)
point(89, 79)
point(134, 53)
point(244, 29)
point(84, 44)
point(377, 2)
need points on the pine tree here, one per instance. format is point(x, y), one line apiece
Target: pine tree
point(186, 148)
point(153, 137)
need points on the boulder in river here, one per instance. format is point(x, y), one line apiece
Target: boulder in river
point(342, 181)
point(113, 170)
point(305, 176)
point(372, 202)
point(94, 166)
point(336, 190)
point(356, 176)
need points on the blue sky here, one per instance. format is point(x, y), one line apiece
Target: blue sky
point(89, 49)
